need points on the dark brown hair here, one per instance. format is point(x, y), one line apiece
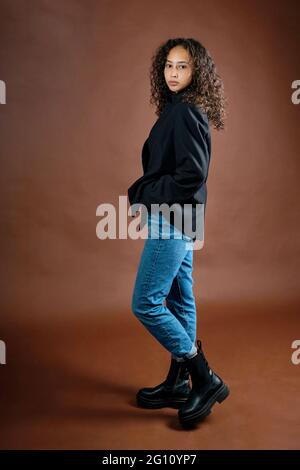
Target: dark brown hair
point(206, 88)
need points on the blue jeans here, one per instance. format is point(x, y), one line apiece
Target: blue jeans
point(165, 274)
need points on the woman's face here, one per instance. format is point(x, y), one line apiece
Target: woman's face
point(178, 69)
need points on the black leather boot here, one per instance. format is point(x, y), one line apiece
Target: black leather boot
point(173, 392)
point(207, 389)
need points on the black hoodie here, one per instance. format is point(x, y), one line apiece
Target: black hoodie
point(175, 159)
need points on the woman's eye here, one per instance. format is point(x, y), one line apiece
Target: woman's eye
point(180, 66)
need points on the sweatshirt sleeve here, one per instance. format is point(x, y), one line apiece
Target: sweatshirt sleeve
point(191, 158)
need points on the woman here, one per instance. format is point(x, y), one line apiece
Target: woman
point(188, 94)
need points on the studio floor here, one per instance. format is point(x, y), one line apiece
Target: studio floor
point(70, 382)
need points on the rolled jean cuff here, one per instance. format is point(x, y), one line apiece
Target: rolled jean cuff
point(189, 355)
point(178, 359)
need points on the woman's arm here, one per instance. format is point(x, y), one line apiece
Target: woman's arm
point(192, 159)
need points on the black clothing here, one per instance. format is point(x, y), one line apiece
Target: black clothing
point(175, 158)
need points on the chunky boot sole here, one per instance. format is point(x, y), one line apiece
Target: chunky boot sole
point(220, 395)
point(161, 403)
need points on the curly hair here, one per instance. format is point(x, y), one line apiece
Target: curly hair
point(206, 88)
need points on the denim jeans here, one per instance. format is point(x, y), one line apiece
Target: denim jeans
point(165, 275)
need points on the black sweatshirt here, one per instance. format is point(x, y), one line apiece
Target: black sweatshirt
point(175, 159)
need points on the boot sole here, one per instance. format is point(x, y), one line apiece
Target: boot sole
point(199, 415)
point(176, 403)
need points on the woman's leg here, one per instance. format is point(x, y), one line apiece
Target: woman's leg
point(160, 263)
point(181, 300)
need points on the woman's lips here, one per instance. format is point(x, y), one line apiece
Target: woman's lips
point(173, 83)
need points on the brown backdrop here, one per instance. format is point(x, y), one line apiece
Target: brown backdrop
point(76, 116)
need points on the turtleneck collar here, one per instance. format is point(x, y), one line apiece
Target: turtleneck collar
point(175, 97)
